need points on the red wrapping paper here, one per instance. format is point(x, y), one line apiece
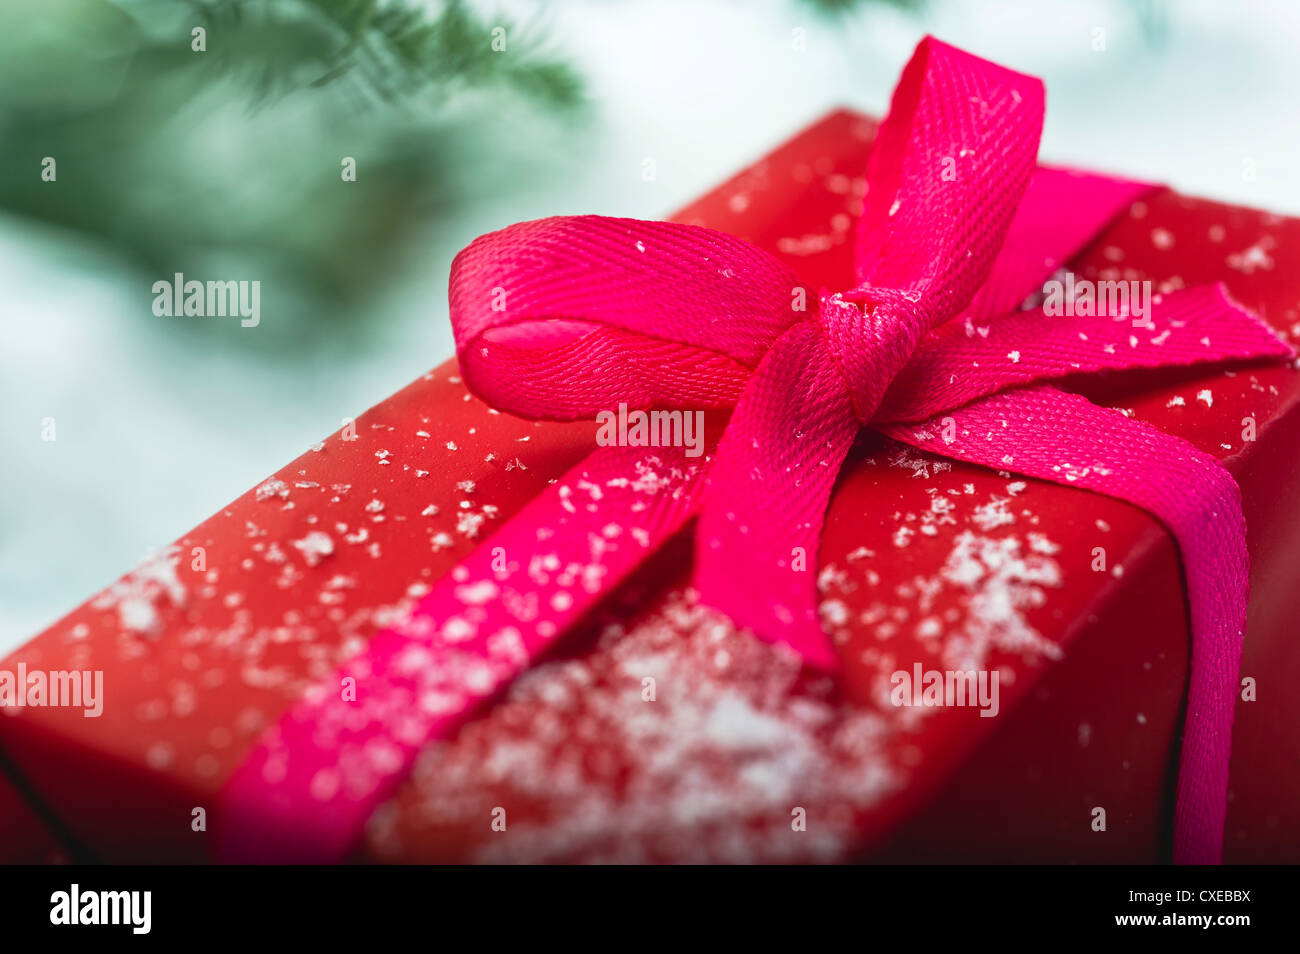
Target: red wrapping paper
point(923, 561)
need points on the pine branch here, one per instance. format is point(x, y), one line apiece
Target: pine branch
point(187, 160)
point(396, 53)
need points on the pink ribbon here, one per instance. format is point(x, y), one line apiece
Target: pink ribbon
point(563, 318)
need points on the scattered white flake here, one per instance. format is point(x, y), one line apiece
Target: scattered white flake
point(1255, 258)
point(1073, 472)
point(1014, 356)
point(140, 596)
point(470, 523)
point(993, 514)
point(273, 488)
point(159, 756)
point(1002, 582)
point(920, 465)
point(707, 772)
point(1039, 543)
point(314, 547)
point(1205, 397)
point(805, 245)
point(477, 593)
point(138, 615)
point(834, 613)
point(929, 628)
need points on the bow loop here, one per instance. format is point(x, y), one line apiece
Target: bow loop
point(947, 172)
point(565, 317)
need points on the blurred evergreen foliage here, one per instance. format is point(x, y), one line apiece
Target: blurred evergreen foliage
point(393, 51)
point(227, 163)
point(838, 7)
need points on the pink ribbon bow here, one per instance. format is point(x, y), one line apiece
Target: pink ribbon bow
point(564, 318)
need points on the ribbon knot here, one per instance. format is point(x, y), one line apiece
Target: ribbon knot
point(872, 333)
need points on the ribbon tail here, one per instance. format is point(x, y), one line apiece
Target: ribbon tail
point(756, 544)
point(304, 793)
point(959, 363)
point(1061, 437)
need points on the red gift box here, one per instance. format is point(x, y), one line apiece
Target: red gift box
point(737, 754)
